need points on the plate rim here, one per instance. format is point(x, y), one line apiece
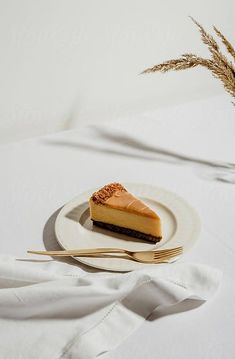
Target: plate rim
point(138, 186)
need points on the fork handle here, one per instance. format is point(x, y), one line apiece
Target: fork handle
point(102, 255)
point(80, 252)
point(85, 254)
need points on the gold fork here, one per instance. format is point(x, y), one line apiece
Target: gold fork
point(154, 256)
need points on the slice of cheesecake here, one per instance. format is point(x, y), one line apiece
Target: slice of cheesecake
point(114, 208)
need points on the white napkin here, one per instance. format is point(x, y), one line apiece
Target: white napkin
point(52, 310)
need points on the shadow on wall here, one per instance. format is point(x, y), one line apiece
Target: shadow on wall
point(130, 147)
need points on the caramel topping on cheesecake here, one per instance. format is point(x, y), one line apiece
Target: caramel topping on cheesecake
point(126, 201)
point(116, 196)
point(101, 196)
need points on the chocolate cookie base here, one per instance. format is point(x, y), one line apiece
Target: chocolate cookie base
point(127, 231)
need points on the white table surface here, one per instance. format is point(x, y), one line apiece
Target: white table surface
point(38, 176)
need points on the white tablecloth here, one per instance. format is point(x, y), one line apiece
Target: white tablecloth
point(38, 176)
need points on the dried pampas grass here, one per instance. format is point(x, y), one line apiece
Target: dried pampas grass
point(218, 64)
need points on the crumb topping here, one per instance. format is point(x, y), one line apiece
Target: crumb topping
point(106, 192)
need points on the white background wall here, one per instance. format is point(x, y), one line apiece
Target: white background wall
point(68, 62)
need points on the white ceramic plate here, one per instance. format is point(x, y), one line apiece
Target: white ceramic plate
point(74, 229)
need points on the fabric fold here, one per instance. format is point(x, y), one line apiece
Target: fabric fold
point(88, 313)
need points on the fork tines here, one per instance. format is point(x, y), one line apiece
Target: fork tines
point(167, 253)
